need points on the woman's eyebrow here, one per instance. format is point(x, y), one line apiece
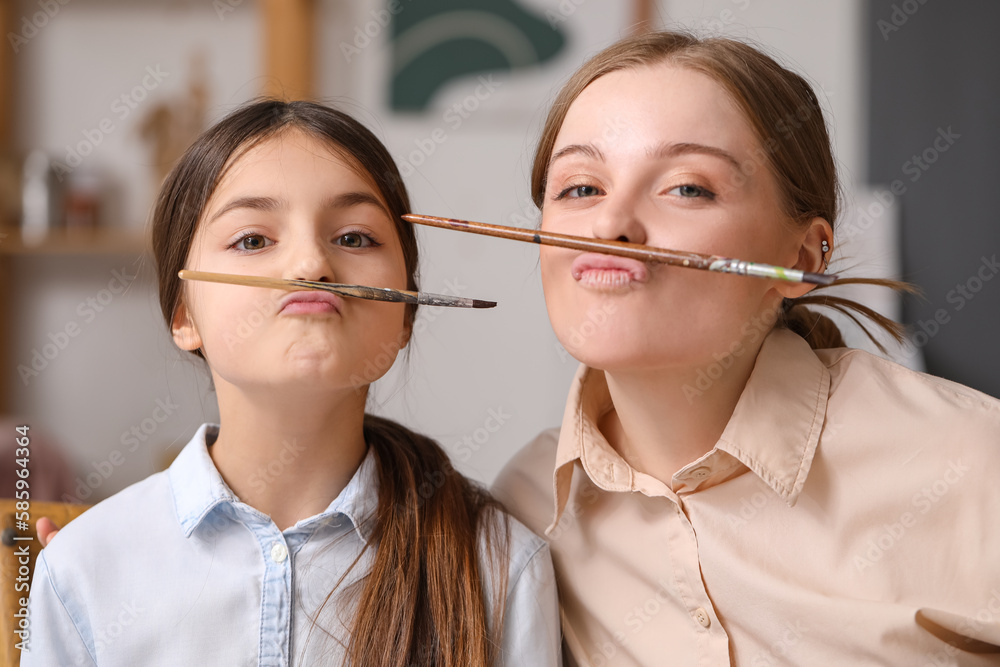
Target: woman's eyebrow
point(668, 149)
point(665, 149)
point(588, 150)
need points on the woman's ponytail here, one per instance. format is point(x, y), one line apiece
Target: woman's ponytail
point(821, 332)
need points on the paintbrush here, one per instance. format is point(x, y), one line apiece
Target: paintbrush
point(355, 291)
point(643, 253)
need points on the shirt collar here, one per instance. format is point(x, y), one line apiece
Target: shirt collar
point(787, 379)
point(198, 489)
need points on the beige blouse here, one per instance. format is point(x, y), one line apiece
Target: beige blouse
point(848, 515)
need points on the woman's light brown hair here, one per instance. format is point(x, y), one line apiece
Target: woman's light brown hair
point(787, 121)
point(424, 600)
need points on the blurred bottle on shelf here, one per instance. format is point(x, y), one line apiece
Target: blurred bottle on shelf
point(82, 202)
point(40, 199)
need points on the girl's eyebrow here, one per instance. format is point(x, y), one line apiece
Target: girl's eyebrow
point(255, 203)
point(268, 204)
point(349, 199)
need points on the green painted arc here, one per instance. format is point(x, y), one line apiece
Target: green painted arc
point(436, 42)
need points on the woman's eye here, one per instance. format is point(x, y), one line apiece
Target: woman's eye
point(692, 192)
point(579, 191)
point(355, 240)
point(251, 242)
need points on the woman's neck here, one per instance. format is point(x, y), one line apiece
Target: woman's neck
point(288, 456)
point(663, 420)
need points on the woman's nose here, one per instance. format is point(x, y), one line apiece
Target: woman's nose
point(618, 220)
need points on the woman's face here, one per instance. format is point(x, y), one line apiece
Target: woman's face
point(660, 155)
point(292, 208)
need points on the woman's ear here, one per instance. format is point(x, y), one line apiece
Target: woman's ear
point(813, 258)
point(183, 329)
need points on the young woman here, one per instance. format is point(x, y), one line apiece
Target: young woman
point(730, 485)
point(299, 530)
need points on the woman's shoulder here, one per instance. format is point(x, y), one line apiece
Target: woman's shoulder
point(524, 485)
point(881, 416)
point(869, 377)
point(532, 465)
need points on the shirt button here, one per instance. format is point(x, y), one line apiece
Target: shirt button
point(279, 552)
point(701, 616)
point(700, 473)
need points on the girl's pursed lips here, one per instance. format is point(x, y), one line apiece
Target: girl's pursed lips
point(307, 302)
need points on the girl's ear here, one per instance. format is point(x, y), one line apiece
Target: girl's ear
point(407, 336)
point(183, 329)
point(812, 257)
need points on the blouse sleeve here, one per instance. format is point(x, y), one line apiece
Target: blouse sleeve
point(531, 634)
point(54, 637)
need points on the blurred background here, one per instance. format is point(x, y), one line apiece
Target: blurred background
point(99, 97)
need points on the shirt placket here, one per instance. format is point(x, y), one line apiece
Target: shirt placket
point(712, 638)
point(275, 612)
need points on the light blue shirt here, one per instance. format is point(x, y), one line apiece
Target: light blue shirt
point(175, 570)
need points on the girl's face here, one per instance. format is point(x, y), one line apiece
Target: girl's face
point(292, 208)
point(660, 155)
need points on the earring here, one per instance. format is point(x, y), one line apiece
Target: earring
point(825, 247)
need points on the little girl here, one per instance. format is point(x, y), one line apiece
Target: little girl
point(299, 530)
point(730, 485)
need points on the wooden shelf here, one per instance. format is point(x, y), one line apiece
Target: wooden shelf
point(89, 242)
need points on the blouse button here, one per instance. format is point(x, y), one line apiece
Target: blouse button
point(700, 473)
point(701, 616)
point(279, 552)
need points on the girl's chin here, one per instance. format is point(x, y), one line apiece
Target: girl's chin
point(302, 376)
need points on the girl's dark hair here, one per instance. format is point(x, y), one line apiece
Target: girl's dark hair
point(786, 118)
point(424, 600)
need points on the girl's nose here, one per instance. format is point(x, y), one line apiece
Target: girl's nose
point(310, 261)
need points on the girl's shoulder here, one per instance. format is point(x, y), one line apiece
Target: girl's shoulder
point(139, 522)
point(111, 530)
point(523, 545)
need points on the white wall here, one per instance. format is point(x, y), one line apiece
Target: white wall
point(465, 366)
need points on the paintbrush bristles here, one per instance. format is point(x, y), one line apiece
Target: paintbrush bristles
point(643, 253)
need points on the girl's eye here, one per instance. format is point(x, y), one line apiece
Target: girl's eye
point(579, 191)
point(691, 192)
point(251, 242)
point(355, 240)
